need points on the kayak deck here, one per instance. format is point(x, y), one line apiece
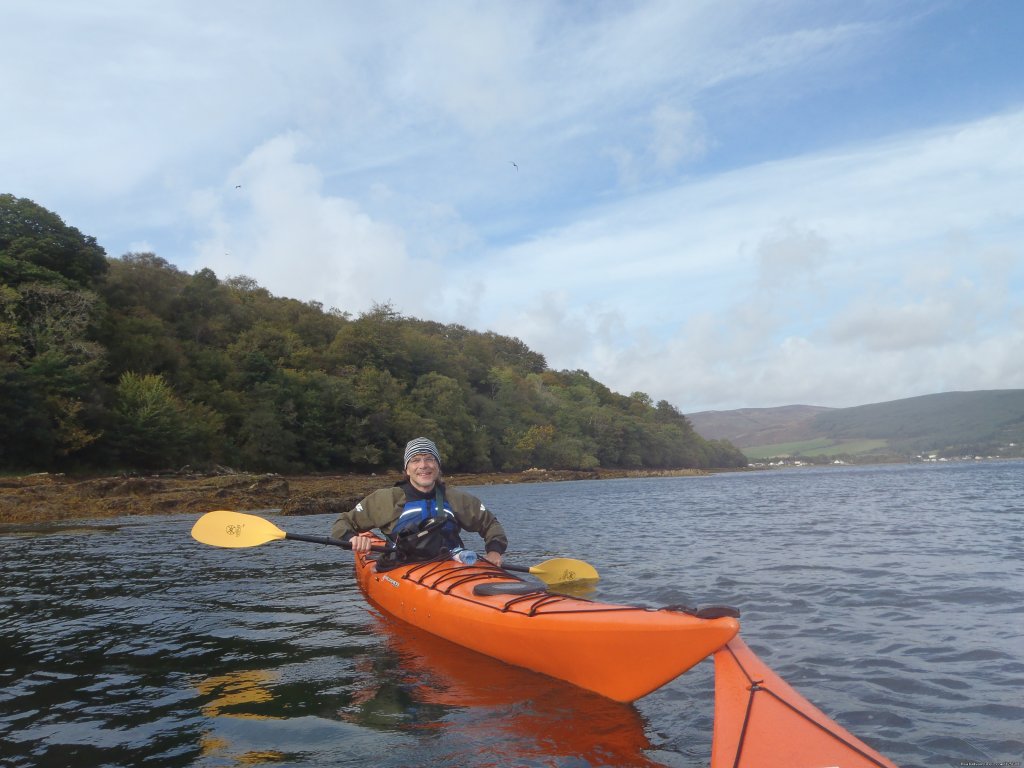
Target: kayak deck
point(619, 651)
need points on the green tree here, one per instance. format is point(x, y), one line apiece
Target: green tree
point(33, 237)
point(267, 439)
point(154, 429)
point(49, 371)
point(443, 402)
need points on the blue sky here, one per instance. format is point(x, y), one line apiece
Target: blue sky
point(722, 204)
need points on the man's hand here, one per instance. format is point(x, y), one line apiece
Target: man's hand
point(494, 558)
point(361, 542)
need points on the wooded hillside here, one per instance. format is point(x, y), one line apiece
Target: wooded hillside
point(130, 363)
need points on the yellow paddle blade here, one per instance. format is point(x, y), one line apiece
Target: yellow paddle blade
point(235, 530)
point(561, 570)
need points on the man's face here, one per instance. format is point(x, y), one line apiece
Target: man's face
point(423, 471)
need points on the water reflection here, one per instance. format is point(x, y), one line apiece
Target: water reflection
point(490, 708)
point(455, 707)
point(234, 694)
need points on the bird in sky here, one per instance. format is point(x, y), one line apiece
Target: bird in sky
point(514, 163)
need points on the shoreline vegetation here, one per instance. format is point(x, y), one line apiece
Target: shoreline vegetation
point(117, 364)
point(46, 498)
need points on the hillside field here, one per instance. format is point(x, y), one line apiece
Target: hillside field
point(821, 446)
point(948, 424)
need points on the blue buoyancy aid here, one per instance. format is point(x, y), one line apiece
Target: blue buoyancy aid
point(416, 512)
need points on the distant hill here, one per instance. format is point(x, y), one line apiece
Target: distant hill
point(987, 422)
point(749, 427)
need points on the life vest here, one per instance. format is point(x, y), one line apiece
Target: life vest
point(425, 527)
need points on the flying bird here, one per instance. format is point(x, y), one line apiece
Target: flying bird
point(238, 186)
point(513, 163)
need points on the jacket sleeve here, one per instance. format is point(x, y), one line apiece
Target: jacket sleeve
point(474, 516)
point(375, 511)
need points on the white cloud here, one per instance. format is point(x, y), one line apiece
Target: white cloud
point(682, 222)
point(280, 228)
point(679, 136)
point(793, 295)
point(771, 282)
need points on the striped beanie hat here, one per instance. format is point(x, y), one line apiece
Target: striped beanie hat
point(420, 445)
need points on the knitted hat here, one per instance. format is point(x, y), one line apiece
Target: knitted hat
point(421, 445)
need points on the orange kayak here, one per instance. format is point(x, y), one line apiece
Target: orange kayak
point(619, 651)
point(761, 722)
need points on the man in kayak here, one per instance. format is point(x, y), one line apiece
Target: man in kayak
point(418, 502)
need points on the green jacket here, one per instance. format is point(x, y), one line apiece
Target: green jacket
point(382, 508)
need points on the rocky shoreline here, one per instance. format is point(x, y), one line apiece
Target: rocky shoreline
point(49, 498)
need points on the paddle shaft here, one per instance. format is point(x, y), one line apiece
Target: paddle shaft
point(516, 568)
point(329, 540)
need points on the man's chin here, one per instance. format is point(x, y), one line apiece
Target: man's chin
point(421, 485)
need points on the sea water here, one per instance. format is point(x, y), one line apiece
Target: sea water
point(892, 597)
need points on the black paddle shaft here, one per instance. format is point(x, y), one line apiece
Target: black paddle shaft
point(516, 568)
point(329, 540)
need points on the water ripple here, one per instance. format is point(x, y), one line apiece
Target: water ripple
point(892, 597)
